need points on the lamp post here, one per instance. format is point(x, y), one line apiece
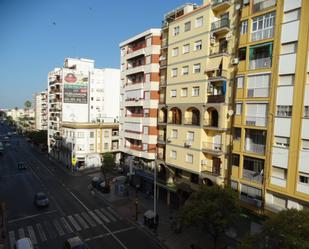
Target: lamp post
point(155, 194)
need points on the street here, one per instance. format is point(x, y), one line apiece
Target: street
point(72, 210)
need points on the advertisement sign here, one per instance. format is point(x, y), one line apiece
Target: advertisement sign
point(75, 89)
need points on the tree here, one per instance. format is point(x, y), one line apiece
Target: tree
point(27, 104)
point(108, 166)
point(289, 229)
point(213, 209)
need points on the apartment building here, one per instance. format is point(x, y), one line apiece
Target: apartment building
point(195, 108)
point(87, 142)
point(80, 93)
point(270, 139)
point(40, 108)
point(139, 103)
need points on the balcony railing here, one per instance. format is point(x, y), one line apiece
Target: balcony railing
point(164, 42)
point(212, 146)
point(216, 98)
point(262, 34)
point(256, 121)
point(255, 148)
point(222, 23)
point(137, 47)
point(258, 92)
point(207, 169)
point(260, 63)
point(252, 175)
point(263, 5)
point(161, 137)
point(192, 121)
point(216, 2)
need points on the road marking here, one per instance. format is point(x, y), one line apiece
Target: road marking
point(81, 221)
point(109, 233)
point(58, 227)
point(90, 221)
point(41, 232)
point(31, 216)
point(32, 235)
point(75, 225)
point(95, 217)
point(12, 239)
point(102, 216)
point(114, 213)
point(80, 201)
point(21, 233)
point(66, 225)
point(108, 214)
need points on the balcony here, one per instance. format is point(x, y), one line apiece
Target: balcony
point(215, 98)
point(215, 149)
point(252, 176)
point(260, 63)
point(262, 34)
point(164, 43)
point(161, 138)
point(136, 47)
point(261, 5)
point(219, 5)
point(136, 69)
point(221, 26)
point(163, 63)
point(256, 121)
point(260, 56)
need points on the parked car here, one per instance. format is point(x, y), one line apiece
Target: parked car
point(41, 200)
point(24, 243)
point(6, 139)
point(21, 165)
point(74, 243)
point(99, 184)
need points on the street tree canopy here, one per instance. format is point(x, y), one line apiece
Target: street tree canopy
point(108, 165)
point(213, 209)
point(27, 104)
point(289, 229)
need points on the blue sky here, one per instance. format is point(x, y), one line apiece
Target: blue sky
point(36, 36)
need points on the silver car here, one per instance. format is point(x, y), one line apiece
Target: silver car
point(41, 200)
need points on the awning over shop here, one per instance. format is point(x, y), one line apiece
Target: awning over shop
point(213, 64)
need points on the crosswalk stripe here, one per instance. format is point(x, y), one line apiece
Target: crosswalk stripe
point(12, 239)
point(41, 232)
point(75, 225)
point(32, 235)
point(102, 216)
point(104, 210)
point(114, 213)
point(81, 221)
point(51, 232)
point(66, 225)
point(58, 228)
point(95, 217)
point(87, 218)
point(21, 233)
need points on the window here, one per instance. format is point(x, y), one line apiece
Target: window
point(197, 45)
point(237, 134)
point(80, 147)
point(146, 112)
point(174, 72)
point(146, 130)
point(305, 144)
point(173, 154)
point(291, 16)
point(187, 26)
point(196, 91)
point(242, 54)
point(176, 31)
point(190, 136)
point(189, 158)
point(148, 59)
point(244, 27)
point(306, 111)
point(235, 159)
point(185, 70)
point(91, 134)
point(284, 110)
point(279, 173)
point(91, 147)
point(186, 48)
point(91, 98)
point(106, 133)
point(145, 147)
point(263, 27)
point(282, 141)
point(280, 202)
point(304, 178)
point(285, 80)
point(288, 48)
point(174, 134)
point(199, 22)
point(238, 108)
point(173, 93)
point(147, 95)
point(80, 134)
point(175, 52)
point(184, 92)
point(105, 146)
point(240, 82)
point(197, 68)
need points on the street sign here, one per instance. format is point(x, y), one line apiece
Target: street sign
point(73, 161)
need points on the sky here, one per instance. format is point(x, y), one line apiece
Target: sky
point(36, 36)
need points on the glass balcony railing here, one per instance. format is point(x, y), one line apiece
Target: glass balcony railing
point(222, 23)
point(260, 63)
point(262, 34)
point(252, 175)
point(262, 5)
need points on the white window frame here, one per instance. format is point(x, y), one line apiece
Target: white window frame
point(197, 68)
point(185, 70)
point(187, 24)
point(173, 93)
point(195, 91)
point(244, 27)
point(173, 154)
point(199, 22)
point(174, 72)
point(238, 108)
point(176, 31)
point(198, 45)
point(174, 133)
point(175, 52)
point(189, 158)
point(184, 51)
point(184, 90)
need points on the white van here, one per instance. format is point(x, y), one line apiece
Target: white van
point(24, 243)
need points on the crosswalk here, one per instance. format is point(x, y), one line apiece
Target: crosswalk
point(41, 232)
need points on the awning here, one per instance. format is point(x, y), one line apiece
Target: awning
point(213, 64)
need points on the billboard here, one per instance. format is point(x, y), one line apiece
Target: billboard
point(75, 88)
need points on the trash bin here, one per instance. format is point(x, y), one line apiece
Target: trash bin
point(149, 217)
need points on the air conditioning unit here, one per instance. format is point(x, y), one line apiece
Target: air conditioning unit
point(204, 162)
point(188, 143)
point(235, 61)
point(238, 6)
point(212, 40)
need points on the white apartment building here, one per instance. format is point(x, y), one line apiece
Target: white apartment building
point(87, 142)
point(140, 96)
point(40, 109)
point(80, 93)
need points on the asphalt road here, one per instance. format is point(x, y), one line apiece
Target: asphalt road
point(72, 210)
